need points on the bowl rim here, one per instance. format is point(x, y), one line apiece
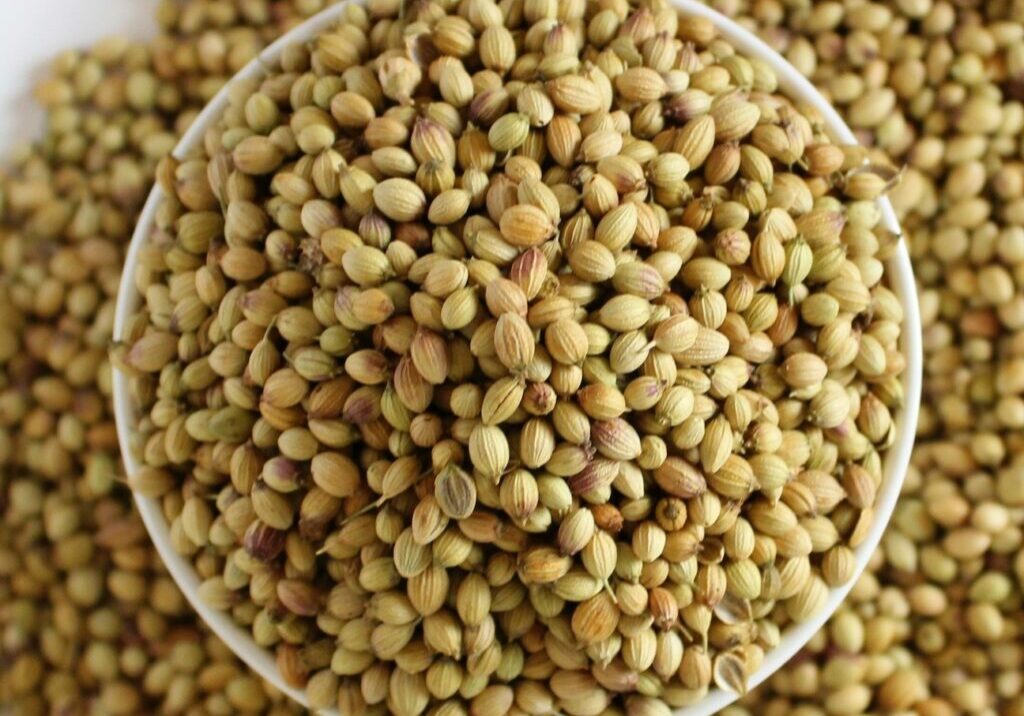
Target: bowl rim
point(895, 461)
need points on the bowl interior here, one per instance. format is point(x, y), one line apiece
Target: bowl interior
point(898, 270)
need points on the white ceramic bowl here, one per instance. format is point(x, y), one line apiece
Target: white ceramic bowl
point(899, 273)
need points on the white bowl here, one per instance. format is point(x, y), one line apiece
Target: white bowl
point(898, 271)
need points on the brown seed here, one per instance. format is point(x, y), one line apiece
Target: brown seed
point(351, 110)
point(257, 155)
point(530, 271)
point(543, 565)
point(525, 226)
point(616, 439)
point(455, 493)
point(803, 370)
point(625, 313)
point(514, 342)
point(676, 334)
point(399, 199)
point(489, 451)
point(299, 597)
point(566, 341)
point(679, 478)
point(502, 399)
point(504, 296)
point(595, 620)
point(429, 353)
point(574, 94)
point(640, 84)
point(152, 351)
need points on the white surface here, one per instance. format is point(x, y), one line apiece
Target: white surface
point(33, 32)
point(900, 274)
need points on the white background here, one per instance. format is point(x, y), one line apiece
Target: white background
point(32, 32)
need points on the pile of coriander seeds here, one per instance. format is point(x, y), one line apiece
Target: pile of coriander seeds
point(526, 356)
point(935, 627)
point(90, 622)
